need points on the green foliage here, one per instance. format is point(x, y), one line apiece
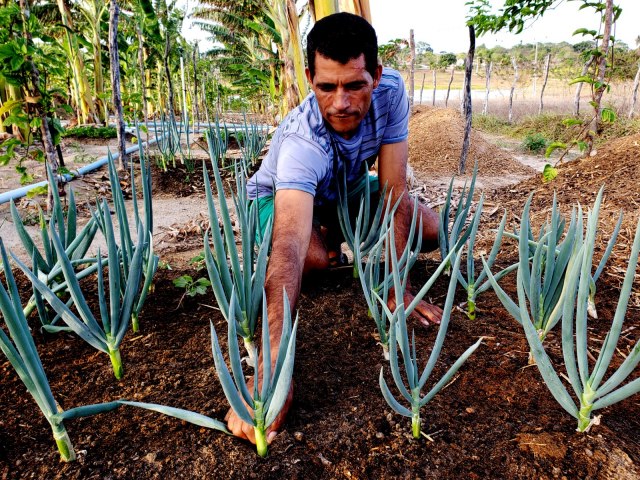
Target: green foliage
point(535, 143)
point(549, 173)
point(192, 287)
point(585, 379)
point(22, 354)
point(399, 340)
point(89, 131)
point(261, 408)
point(447, 59)
point(237, 274)
point(492, 124)
point(451, 231)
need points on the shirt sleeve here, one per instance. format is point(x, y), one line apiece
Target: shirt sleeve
point(302, 164)
point(397, 128)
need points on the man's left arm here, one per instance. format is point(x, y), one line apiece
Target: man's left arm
point(392, 171)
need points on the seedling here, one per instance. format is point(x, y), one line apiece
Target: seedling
point(543, 281)
point(452, 231)
point(367, 229)
point(475, 286)
point(262, 408)
point(21, 352)
point(116, 315)
point(587, 385)
point(247, 270)
point(191, 287)
point(398, 336)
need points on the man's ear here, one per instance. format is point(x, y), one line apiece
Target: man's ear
point(377, 76)
point(308, 74)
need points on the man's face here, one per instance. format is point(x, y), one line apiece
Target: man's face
point(343, 92)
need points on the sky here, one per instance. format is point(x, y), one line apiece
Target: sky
point(442, 23)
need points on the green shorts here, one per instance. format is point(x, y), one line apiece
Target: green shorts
point(320, 214)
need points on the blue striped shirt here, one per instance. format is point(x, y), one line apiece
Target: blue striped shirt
point(307, 155)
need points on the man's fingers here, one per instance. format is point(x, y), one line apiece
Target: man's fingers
point(428, 314)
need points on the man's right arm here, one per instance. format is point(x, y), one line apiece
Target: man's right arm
point(293, 213)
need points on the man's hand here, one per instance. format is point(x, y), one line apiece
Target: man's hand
point(424, 312)
point(243, 430)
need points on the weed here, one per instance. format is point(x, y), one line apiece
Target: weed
point(89, 131)
point(535, 143)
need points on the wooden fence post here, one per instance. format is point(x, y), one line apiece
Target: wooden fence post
point(513, 87)
point(544, 82)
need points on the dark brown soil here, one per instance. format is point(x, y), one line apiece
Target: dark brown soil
point(495, 420)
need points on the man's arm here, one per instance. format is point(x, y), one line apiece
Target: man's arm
point(392, 171)
point(293, 213)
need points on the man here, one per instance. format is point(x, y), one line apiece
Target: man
point(357, 112)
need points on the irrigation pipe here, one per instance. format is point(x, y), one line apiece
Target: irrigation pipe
point(67, 177)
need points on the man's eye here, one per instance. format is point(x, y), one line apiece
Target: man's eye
point(326, 88)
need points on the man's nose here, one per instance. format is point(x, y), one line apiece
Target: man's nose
point(341, 100)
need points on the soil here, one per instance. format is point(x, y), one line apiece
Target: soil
point(496, 419)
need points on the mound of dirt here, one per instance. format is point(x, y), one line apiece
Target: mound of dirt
point(435, 144)
point(615, 165)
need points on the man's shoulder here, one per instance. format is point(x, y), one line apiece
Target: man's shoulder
point(304, 123)
point(390, 80)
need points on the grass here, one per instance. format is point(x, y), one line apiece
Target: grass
point(551, 127)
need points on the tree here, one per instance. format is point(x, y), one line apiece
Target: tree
point(515, 13)
point(447, 59)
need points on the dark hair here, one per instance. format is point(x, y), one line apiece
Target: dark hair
point(343, 37)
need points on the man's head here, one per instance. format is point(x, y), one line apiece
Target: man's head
point(343, 37)
point(343, 69)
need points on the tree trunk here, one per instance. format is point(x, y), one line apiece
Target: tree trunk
point(98, 77)
point(513, 87)
point(433, 95)
point(143, 81)
point(488, 67)
point(467, 99)
point(422, 87)
point(195, 108)
point(545, 75)
point(576, 99)
point(114, 63)
point(412, 66)
point(34, 92)
point(634, 94)
point(446, 100)
point(602, 66)
point(535, 70)
point(167, 72)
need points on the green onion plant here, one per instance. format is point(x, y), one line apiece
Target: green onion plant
point(46, 264)
point(375, 277)
point(542, 277)
point(472, 285)
point(21, 352)
point(252, 141)
point(218, 141)
point(399, 340)
point(559, 223)
point(229, 269)
point(588, 386)
point(368, 228)
point(144, 227)
point(263, 407)
point(115, 315)
point(451, 231)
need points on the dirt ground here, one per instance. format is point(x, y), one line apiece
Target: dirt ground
point(496, 419)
